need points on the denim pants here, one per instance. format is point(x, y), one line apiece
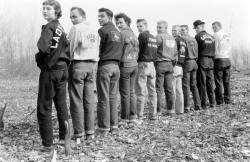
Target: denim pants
point(127, 92)
point(222, 81)
point(52, 87)
point(164, 83)
point(146, 81)
point(178, 92)
point(189, 82)
point(107, 89)
point(205, 81)
point(81, 94)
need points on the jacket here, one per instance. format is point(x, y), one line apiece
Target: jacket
point(53, 46)
point(206, 45)
point(147, 47)
point(84, 42)
point(111, 44)
point(130, 49)
point(167, 47)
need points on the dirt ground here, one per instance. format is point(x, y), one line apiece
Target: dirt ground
point(213, 135)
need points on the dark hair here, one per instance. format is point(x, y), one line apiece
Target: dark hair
point(141, 20)
point(56, 5)
point(107, 11)
point(123, 16)
point(185, 26)
point(80, 10)
point(217, 23)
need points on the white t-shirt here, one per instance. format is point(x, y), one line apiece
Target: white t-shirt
point(223, 47)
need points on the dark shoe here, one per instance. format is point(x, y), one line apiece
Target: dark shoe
point(212, 106)
point(197, 108)
point(90, 136)
point(74, 137)
point(153, 117)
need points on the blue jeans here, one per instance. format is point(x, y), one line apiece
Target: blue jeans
point(146, 81)
point(222, 81)
point(189, 82)
point(164, 83)
point(81, 94)
point(127, 91)
point(107, 89)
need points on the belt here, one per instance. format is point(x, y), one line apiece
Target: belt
point(190, 58)
point(82, 61)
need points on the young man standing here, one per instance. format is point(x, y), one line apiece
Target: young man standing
point(166, 55)
point(190, 70)
point(178, 71)
point(84, 42)
point(108, 73)
point(205, 77)
point(223, 52)
point(146, 70)
point(128, 68)
point(53, 60)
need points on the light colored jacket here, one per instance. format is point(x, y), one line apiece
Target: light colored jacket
point(84, 42)
point(223, 47)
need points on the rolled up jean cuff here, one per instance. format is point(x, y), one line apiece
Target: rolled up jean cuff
point(114, 127)
point(104, 129)
point(132, 117)
point(89, 132)
point(79, 134)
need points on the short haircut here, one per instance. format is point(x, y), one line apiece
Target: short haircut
point(123, 16)
point(163, 22)
point(144, 21)
point(56, 5)
point(176, 27)
point(217, 23)
point(107, 11)
point(80, 10)
point(185, 26)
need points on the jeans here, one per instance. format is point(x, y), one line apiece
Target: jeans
point(127, 92)
point(52, 87)
point(189, 82)
point(164, 83)
point(178, 92)
point(146, 81)
point(222, 81)
point(107, 89)
point(205, 81)
point(81, 94)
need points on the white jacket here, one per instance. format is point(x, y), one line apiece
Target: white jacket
point(223, 47)
point(84, 42)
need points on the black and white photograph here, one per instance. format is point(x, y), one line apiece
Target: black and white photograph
point(124, 81)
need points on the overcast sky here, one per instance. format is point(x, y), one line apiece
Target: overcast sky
point(234, 14)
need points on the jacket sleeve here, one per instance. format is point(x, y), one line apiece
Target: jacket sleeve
point(159, 40)
point(45, 41)
point(142, 41)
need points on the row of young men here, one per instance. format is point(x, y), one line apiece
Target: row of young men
point(146, 62)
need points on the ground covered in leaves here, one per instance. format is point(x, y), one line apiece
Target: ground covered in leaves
point(219, 134)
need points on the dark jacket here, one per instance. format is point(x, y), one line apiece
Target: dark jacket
point(147, 47)
point(192, 47)
point(53, 46)
point(111, 45)
point(206, 44)
point(181, 49)
point(131, 48)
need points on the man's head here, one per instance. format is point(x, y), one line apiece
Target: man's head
point(122, 21)
point(184, 30)
point(199, 26)
point(142, 25)
point(104, 16)
point(77, 15)
point(216, 26)
point(51, 10)
point(162, 27)
point(176, 30)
